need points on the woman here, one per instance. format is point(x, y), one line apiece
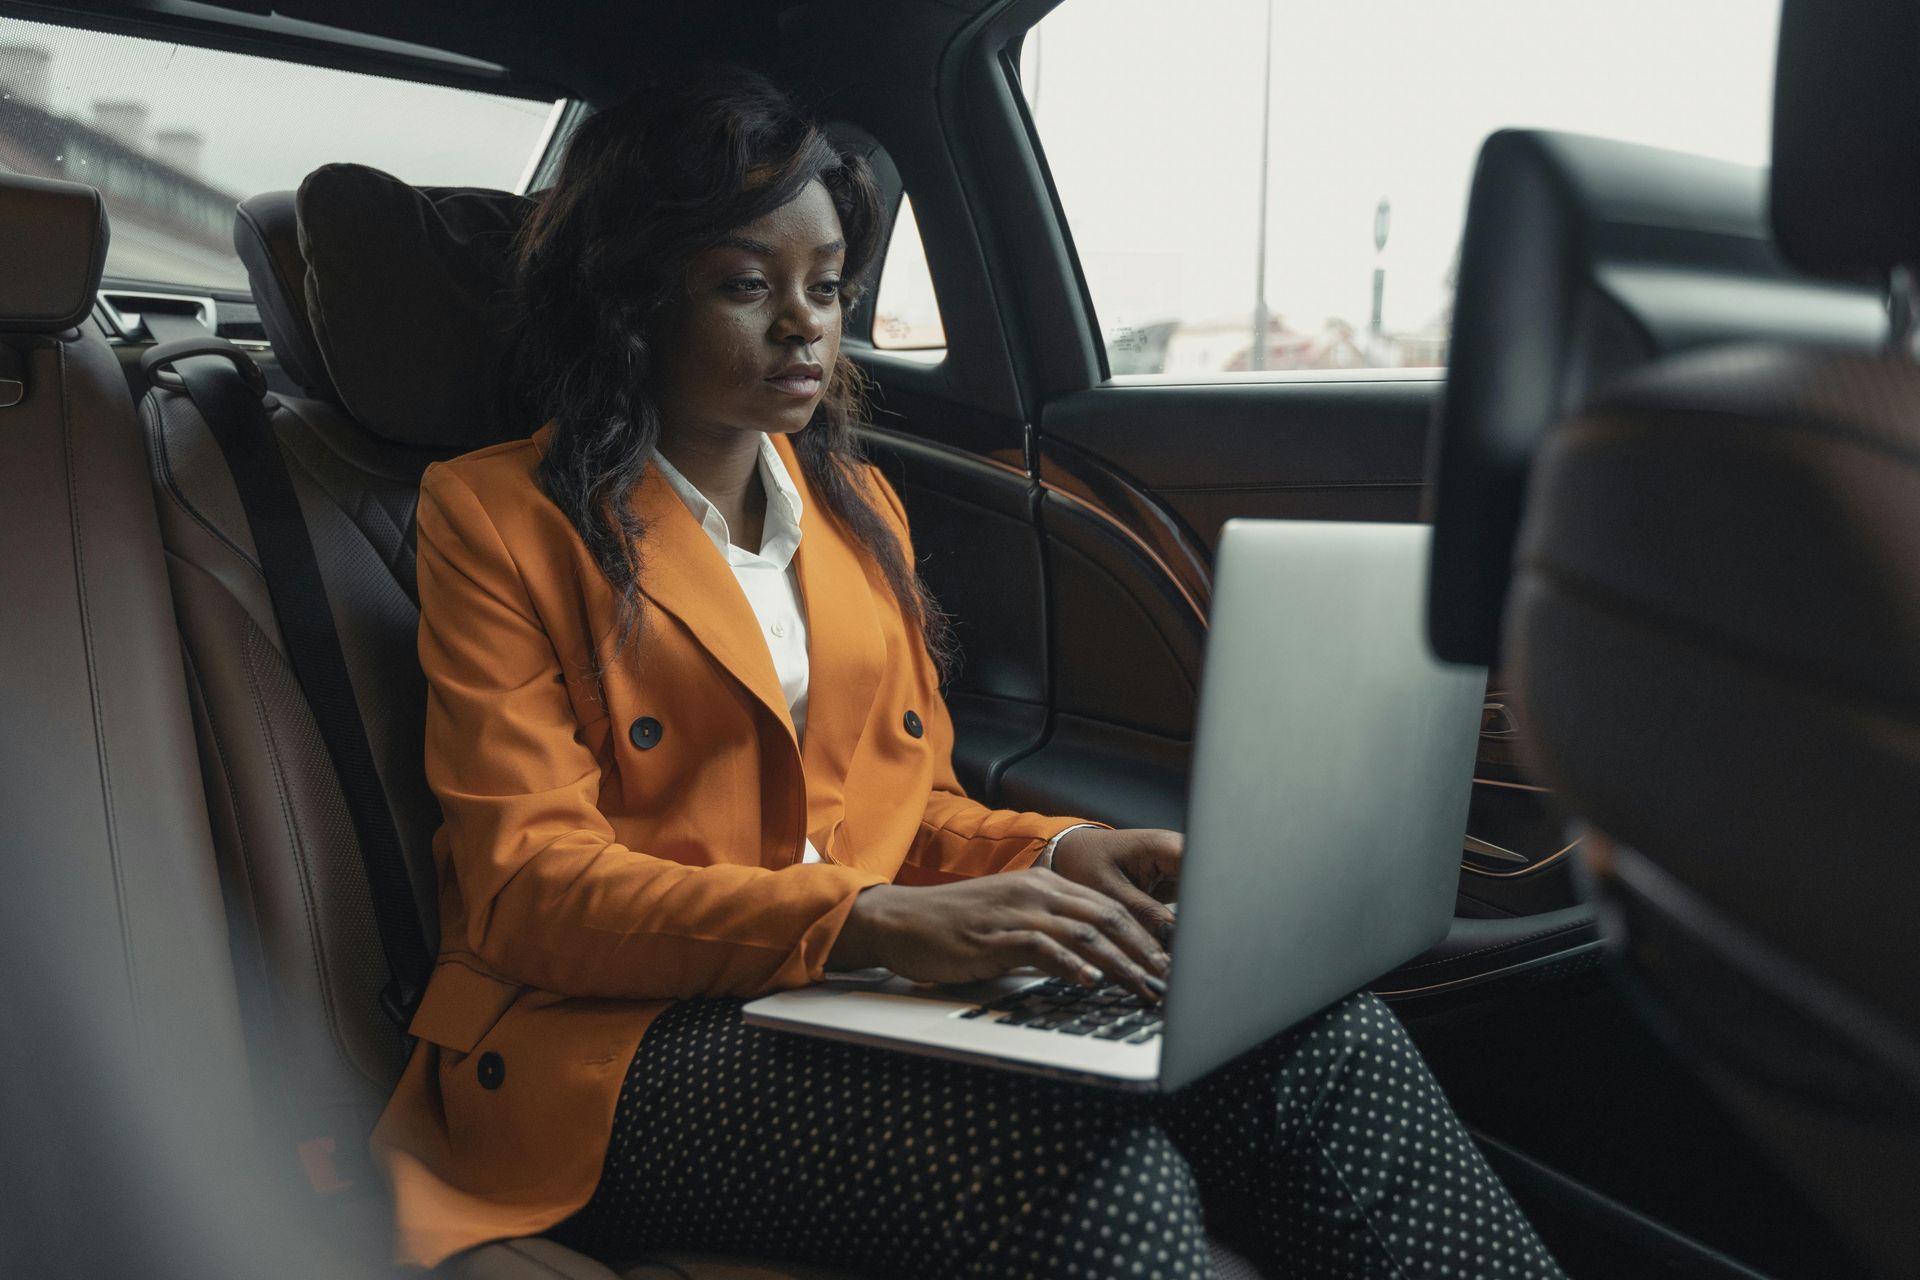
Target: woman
point(686, 730)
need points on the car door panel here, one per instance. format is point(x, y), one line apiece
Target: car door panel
point(1111, 773)
point(1347, 449)
point(979, 553)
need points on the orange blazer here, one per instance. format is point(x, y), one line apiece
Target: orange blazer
point(606, 850)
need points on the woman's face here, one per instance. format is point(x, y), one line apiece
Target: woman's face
point(751, 343)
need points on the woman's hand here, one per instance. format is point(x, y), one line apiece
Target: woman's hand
point(982, 928)
point(1127, 866)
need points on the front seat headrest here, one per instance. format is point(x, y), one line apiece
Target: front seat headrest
point(1846, 116)
point(58, 231)
point(266, 235)
point(409, 293)
point(1716, 627)
point(1581, 260)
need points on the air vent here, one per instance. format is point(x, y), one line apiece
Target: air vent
point(124, 314)
point(126, 311)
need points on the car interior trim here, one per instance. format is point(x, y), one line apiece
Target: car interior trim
point(1532, 868)
point(1489, 975)
point(1133, 538)
point(1513, 786)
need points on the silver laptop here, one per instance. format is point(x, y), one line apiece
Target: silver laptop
point(1325, 813)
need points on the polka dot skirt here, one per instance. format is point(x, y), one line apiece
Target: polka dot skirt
point(1328, 1151)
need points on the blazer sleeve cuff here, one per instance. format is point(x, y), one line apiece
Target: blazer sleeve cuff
point(808, 963)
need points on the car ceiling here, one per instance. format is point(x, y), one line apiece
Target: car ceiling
point(589, 49)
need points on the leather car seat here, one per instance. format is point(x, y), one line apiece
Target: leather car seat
point(305, 944)
point(1716, 622)
point(122, 1051)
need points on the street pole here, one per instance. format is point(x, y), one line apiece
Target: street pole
point(1382, 216)
point(1257, 358)
point(1033, 88)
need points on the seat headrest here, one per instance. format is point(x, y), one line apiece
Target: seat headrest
point(409, 291)
point(266, 234)
point(1582, 259)
point(1846, 125)
point(58, 231)
point(1716, 631)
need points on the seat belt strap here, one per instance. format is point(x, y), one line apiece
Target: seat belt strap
point(228, 388)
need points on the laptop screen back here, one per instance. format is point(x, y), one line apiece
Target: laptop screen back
point(1331, 774)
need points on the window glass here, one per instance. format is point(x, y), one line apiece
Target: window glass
point(175, 135)
point(1151, 116)
point(906, 315)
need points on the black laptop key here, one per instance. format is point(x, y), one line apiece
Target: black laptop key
point(1107, 1012)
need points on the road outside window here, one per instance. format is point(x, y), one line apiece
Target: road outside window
point(1300, 170)
point(174, 136)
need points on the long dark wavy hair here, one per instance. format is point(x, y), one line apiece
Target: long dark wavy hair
point(644, 186)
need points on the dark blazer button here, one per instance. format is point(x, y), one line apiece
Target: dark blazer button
point(645, 733)
point(492, 1070)
point(913, 724)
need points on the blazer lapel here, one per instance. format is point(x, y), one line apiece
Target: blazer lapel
point(685, 574)
point(846, 648)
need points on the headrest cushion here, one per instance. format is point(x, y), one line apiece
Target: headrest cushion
point(1716, 632)
point(409, 291)
point(58, 231)
point(266, 234)
point(1846, 124)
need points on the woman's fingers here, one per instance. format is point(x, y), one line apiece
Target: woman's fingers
point(1047, 954)
point(1099, 930)
point(1091, 945)
point(1166, 858)
point(1116, 918)
point(1145, 908)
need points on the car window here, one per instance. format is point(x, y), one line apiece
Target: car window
point(906, 314)
point(1151, 118)
point(173, 136)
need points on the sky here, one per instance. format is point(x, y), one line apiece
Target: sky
point(1149, 112)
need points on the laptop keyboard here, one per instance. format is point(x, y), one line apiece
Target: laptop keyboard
point(1111, 1012)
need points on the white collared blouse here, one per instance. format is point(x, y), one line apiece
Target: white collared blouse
point(772, 584)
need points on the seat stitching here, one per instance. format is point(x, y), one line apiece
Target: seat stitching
point(163, 460)
point(102, 755)
point(302, 860)
point(272, 756)
point(220, 756)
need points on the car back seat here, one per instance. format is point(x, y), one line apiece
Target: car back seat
point(121, 1052)
point(305, 945)
point(305, 950)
